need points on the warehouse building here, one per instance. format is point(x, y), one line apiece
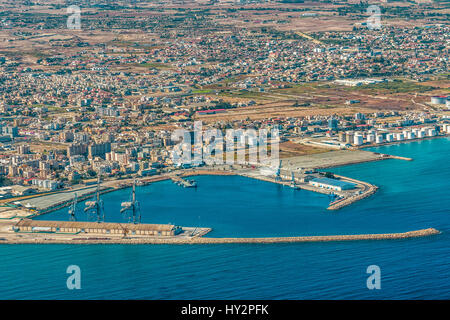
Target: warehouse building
point(332, 184)
point(439, 100)
point(28, 225)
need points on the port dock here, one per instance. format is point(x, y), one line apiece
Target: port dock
point(97, 234)
point(185, 183)
point(15, 228)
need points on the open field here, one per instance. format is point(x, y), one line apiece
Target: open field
point(291, 149)
point(278, 109)
point(319, 96)
point(330, 159)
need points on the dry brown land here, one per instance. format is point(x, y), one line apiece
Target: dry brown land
point(40, 147)
point(292, 149)
point(276, 110)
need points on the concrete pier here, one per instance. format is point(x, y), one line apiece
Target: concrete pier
point(184, 183)
point(369, 189)
point(185, 238)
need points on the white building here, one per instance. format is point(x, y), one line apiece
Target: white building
point(439, 100)
point(332, 184)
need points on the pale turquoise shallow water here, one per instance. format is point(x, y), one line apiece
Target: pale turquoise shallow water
point(412, 195)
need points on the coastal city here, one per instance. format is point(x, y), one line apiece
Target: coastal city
point(83, 107)
point(102, 97)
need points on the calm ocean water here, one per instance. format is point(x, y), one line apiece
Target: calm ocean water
point(412, 195)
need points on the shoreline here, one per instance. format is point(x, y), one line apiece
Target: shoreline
point(349, 163)
point(115, 185)
point(121, 184)
point(262, 240)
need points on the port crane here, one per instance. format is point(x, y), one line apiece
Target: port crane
point(293, 183)
point(132, 206)
point(333, 197)
point(96, 206)
point(278, 172)
point(73, 208)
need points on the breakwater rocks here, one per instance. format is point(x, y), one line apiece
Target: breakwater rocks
point(369, 189)
point(200, 240)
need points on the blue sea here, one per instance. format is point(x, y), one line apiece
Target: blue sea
point(412, 195)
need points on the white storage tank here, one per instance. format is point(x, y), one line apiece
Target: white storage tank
point(379, 139)
point(431, 132)
point(446, 128)
point(390, 137)
point(421, 134)
point(439, 100)
point(358, 139)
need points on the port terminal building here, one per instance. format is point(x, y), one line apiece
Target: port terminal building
point(332, 184)
point(77, 227)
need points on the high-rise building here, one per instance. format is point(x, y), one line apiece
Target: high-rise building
point(333, 124)
point(99, 149)
point(76, 149)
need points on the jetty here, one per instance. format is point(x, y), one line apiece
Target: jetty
point(112, 233)
point(354, 237)
point(184, 182)
point(368, 190)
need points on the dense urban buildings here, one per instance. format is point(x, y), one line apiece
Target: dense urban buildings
point(249, 121)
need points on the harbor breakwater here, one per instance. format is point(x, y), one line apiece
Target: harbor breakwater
point(369, 190)
point(202, 240)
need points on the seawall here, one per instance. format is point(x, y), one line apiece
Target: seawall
point(201, 240)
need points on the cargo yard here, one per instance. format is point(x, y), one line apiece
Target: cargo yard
point(334, 159)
